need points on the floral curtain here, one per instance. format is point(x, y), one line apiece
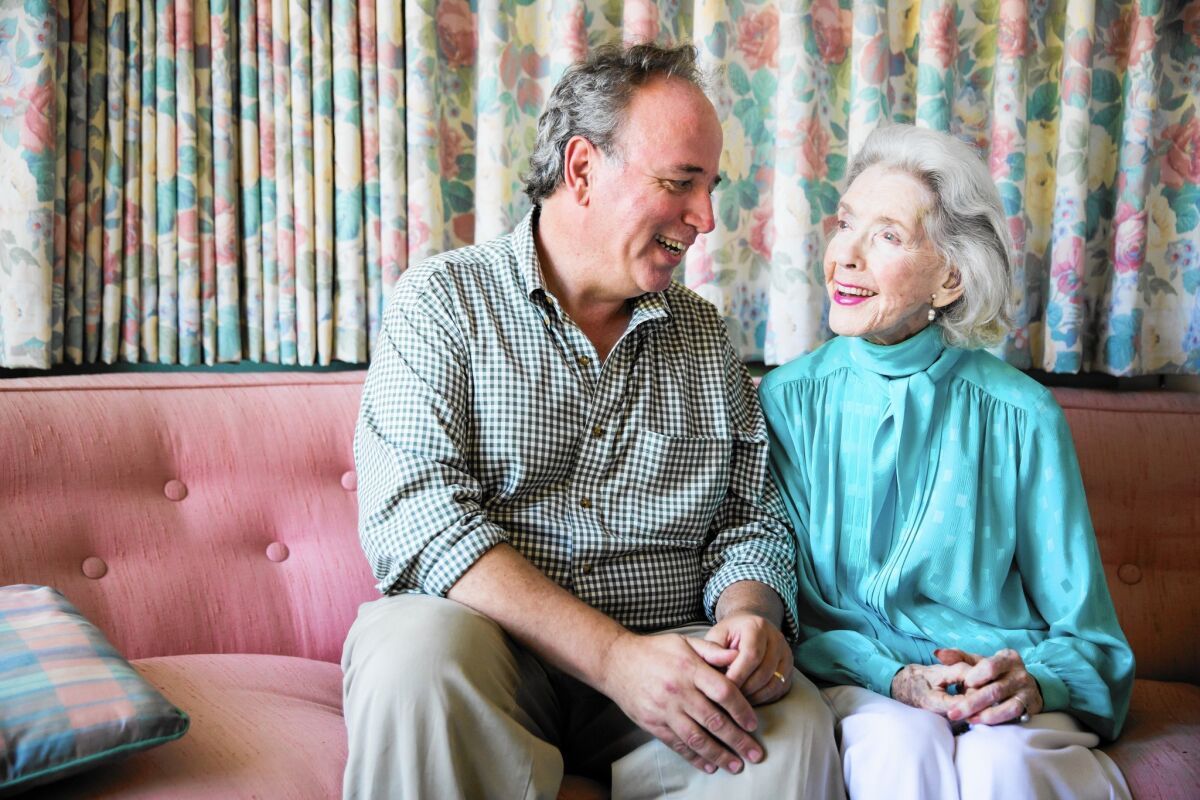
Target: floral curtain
point(194, 181)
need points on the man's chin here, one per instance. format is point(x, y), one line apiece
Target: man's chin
point(656, 279)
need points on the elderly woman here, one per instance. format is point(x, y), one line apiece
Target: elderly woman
point(951, 595)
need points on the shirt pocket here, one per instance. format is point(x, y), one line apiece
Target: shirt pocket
point(671, 487)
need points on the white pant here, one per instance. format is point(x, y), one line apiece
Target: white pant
point(439, 702)
point(892, 750)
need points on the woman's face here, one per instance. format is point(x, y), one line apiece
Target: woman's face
point(880, 270)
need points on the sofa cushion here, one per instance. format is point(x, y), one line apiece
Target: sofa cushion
point(262, 726)
point(68, 700)
point(1159, 752)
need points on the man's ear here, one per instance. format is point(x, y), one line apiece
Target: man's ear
point(580, 159)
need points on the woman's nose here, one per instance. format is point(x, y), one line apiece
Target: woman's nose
point(843, 250)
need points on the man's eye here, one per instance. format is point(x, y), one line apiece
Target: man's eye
point(842, 224)
point(680, 186)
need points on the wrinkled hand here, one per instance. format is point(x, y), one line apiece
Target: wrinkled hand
point(995, 689)
point(672, 686)
point(926, 687)
point(763, 656)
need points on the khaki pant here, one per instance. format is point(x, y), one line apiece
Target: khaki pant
point(440, 703)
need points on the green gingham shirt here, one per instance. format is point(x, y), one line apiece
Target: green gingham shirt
point(638, 484)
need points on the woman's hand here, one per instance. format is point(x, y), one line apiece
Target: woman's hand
point(926, 687)
point(995, 689)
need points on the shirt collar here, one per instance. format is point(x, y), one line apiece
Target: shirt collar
point(915, 354)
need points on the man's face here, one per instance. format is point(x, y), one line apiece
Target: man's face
point(654, 194)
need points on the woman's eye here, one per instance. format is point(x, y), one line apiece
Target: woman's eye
point(891, 237)
point(842, 224)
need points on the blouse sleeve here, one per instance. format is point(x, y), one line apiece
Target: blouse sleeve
point(1085, 666)
point(827, 649)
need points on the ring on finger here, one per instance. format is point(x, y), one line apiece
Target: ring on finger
point(1024, 709)
point(779, 675)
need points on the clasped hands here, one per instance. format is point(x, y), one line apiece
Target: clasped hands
point(989, 689)
point(696, 695)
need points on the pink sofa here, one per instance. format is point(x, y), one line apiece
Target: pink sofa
point(206, 522)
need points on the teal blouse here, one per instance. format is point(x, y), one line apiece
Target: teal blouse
point(937, 502)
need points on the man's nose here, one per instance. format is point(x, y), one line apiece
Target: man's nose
point(699, 213)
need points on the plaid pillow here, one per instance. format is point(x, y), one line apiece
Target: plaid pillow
point(68, 700)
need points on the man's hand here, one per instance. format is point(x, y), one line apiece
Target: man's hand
point(926, 687)
point(672, 686)
point(763, 667)
point(995, 689)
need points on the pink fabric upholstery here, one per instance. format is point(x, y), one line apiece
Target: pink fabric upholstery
point(190, 514)
point(173, 491)
point(1160, 751)
point(1139, 453)
point(262, 726)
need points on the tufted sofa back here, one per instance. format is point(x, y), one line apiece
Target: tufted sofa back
point(188, 512)
point(1139, 453)
point(215, 513)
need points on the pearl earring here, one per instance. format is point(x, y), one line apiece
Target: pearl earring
point(932, 310)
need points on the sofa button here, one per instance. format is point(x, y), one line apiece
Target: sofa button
point(350, 480)
point(175, 490)
point(277, 551)
point(94, 568)
point(1129, 573)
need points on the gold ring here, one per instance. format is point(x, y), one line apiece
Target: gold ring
point(780, 676)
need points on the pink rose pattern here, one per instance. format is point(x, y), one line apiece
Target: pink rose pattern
point(1181, 164)
point(758, 37)
point(456, 32)
point(832, 29)
point(405, 143)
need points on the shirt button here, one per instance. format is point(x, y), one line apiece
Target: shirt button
point(584, 361)
point(597, 431)
point(586, 569)
point(585, 502)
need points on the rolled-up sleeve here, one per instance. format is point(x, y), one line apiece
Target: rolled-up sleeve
point(421, 523)
point(750, 538)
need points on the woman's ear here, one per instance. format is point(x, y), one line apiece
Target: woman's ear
point(951, 289)
point(580, 160)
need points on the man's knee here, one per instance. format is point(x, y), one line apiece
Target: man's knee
point(412, 644)
point(798, 735)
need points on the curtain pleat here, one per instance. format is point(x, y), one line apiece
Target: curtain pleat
point(129, 301)
point(322, 152)
point(300, 291)
point(226, 315)
point(207, 181)
point(113, 183)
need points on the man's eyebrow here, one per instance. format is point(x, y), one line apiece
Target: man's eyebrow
point(693, 169)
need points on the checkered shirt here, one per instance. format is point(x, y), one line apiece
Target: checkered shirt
point(638, 484)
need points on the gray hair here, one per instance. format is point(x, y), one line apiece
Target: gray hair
point(590, 101)
point(966, 225)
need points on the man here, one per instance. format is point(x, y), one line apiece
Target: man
point(560, 458)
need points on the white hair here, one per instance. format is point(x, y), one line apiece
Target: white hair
point(966, 225)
